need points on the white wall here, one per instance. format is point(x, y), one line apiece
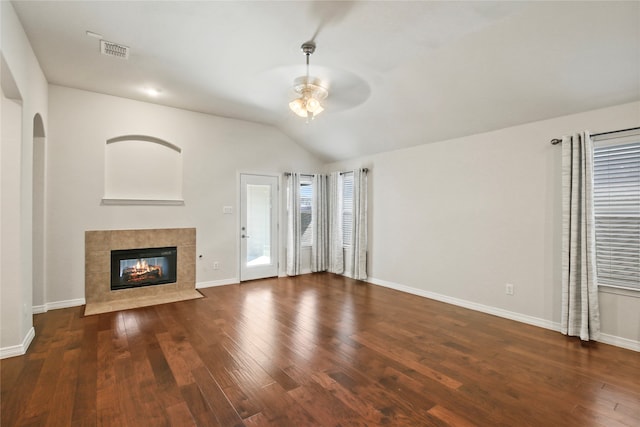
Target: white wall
point(214, 149)
point(39, 219)
point(10, 274)
point(459, 219)
point(29, 85)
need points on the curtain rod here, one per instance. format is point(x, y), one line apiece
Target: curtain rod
point(556, 141)
point(303, 174)
point(365, 170)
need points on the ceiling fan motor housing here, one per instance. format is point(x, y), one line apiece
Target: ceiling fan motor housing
point(308, 47)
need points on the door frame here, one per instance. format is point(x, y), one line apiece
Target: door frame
point(278, 215)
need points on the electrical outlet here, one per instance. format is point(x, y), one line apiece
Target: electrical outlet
point(509, 289)
point(216, 265)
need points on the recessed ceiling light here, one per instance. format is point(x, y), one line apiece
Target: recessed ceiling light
point(152, 91)
point(94, 35)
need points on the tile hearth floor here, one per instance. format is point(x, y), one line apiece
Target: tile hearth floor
point(136, 302)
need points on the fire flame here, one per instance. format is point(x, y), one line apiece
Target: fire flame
point(141, 271)
point(142, 265)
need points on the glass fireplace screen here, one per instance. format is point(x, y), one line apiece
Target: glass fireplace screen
point(132, 268)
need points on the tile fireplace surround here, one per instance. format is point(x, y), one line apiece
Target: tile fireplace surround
point(97, 285)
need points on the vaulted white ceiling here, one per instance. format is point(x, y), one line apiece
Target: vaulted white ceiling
point(399, 73)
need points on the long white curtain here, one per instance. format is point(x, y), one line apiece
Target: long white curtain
point(327, 249)
point(293, 225)
point(320, 222)
point(580, 311)
point(358, 251)
point(336, 245)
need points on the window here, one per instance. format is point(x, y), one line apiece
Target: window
point(617, 208)
point(306, 216)
point(347, 209)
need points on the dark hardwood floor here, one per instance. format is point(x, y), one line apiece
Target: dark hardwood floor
point(316, 350)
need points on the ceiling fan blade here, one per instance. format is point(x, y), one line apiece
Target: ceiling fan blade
point(344, 97)
point(329, 13)
point(276, 87)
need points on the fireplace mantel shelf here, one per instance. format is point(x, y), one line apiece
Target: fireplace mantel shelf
point(144, 202)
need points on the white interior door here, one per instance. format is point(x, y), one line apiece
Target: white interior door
point(258, 226)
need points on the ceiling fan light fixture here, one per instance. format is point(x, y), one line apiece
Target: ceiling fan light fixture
point(313, 105)
point(310, 92)
point(310, 97)
point(298, 107)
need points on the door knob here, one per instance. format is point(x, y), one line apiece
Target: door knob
point(244, 236)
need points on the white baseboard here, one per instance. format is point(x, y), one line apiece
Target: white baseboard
point(518, 317)
point(212, 283)
point(619, 342)
point(37, 309)
point(20, 349)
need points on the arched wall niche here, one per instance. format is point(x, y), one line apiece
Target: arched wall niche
point(142, 169)
point(38, 126)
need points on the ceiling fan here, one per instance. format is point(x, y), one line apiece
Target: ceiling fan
point(310, 90)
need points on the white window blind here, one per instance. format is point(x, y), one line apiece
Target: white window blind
point(617, 209)
point(347, 208)
point(306, 217)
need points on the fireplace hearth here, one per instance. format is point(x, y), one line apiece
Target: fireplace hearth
point(134, 268)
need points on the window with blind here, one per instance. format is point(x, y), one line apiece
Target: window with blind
point(617, 208)
point(347, 209)
point(306, 216)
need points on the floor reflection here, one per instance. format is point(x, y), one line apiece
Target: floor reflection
point(259, 317)
point(304, 337)
point(348, 323)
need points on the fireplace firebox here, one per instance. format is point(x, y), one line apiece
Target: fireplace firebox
point(133, 268)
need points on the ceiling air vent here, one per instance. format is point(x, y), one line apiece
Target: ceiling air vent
point(114, 49)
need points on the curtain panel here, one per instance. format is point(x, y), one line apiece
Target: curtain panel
point(359, 236)
point(327, 247)
point(336, 245)
point(293, 225)
point(580, 312)
point(320, 221)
